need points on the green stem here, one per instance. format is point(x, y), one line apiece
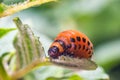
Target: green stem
point(3, 73)
point(30, 67)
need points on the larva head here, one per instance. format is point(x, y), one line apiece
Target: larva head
point(55, 50)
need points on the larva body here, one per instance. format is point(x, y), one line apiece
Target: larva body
point(71, 43)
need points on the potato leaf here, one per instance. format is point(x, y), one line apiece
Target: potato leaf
point(2, 7)
point(9, 10)
point(75, 77)
point(59, 73)
point(29, 51)
point(3, 73)
point(4, 31)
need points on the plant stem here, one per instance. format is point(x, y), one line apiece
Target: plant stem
point(3, 73)
point(33, 65)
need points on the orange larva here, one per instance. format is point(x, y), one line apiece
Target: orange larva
point(71, 43)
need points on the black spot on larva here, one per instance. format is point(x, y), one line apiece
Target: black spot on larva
point(86, 49)
point(65, 54)
point(89, 52)
point(79, 46)
point(88, 43)
point(83, 47)
point(62, 43)
point(91, 47)
point(72, 39)
point(84, 40)
point(69, 46)
point(71, 55)
point(78, 38)
point(90, 56)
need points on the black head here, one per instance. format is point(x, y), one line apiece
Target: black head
point(53, 52)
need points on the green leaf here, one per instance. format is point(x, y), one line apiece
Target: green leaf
point(4, 31)
point(98, 74)
point(29, 51)
point(75, 77)
point(28, 46)
point(3, 74)
point(49, 72)
point(107, 54)
point(4, 54)
point(21, 6)
point(59, 73)
point(11, 2)
point(2, 7)
point(53, 78)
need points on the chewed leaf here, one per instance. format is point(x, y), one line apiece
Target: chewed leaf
point(75, 63)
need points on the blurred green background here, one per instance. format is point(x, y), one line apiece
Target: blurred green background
point(98, 19)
